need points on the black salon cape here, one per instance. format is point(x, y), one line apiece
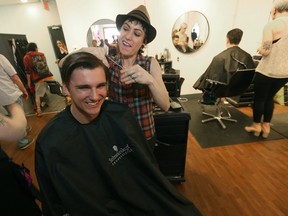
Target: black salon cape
point(15, 197)
point(224, 65)
point(102, 168)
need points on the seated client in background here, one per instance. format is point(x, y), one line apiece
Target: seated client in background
point(225, 63)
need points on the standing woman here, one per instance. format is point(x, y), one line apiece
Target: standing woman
point(135, 79)
point(272, 71)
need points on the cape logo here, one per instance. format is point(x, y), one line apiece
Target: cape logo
point(115, 148)
point(122, 152)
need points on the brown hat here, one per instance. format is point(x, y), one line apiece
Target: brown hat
point(140, 13)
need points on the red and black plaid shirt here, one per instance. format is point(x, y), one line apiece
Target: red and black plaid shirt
point(136, 96)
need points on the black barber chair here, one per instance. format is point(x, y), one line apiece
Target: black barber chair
point(238, 84)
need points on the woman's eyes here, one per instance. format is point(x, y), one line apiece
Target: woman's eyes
point(136, 32)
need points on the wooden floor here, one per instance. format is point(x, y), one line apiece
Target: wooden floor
point(238, 180)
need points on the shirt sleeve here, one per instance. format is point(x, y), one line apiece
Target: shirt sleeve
point(7, 66)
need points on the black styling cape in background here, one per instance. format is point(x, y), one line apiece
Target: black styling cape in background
point(224, 65)
point(103, 168)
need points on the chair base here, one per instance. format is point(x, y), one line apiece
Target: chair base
point(219, 117)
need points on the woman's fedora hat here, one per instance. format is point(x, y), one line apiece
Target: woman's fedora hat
point(140, 13)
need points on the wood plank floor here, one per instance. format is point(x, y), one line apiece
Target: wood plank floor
point(238, 180)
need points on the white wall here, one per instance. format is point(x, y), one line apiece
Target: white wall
point(32, 20)
point(77, 16)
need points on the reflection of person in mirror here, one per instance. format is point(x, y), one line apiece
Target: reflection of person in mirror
point(62, 52)
point(94, 43)
point(193, 35)
point(183, 37)
point(181, 48)
point(175, 40)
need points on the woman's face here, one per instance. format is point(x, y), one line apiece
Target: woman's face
point(131, 38)
point(59, 44)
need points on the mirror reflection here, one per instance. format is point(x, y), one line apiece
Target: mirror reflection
point(190, 32)
point(103, 33)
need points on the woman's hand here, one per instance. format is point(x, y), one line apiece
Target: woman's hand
point(135, 74)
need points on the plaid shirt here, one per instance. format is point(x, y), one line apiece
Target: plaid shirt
point(136, 96)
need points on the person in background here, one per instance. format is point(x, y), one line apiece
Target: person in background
point(224, 64)
point(86, 155)
point(103, 43)
point(272, 70)
point(175, 40)
point(34, 61)
point(181, 48)
point(11, 91)
point(106, 46)
point(94, 43)
point(194, 35)
point(62, 52)
point(183, 37)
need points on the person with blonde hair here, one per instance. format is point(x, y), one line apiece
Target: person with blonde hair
point(183, 37)
point(272, 70)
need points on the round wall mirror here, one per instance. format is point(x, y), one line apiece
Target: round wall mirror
point(190, 32)
point(101, 30)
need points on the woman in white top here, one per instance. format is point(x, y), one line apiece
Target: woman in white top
point(272, 71)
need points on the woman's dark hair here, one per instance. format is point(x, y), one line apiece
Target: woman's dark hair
point(31, 47)
point(83, 60)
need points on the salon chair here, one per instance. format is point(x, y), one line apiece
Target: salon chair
point(238, 84)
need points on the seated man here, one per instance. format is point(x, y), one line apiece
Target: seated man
point(87, 163)
point(225, 63)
